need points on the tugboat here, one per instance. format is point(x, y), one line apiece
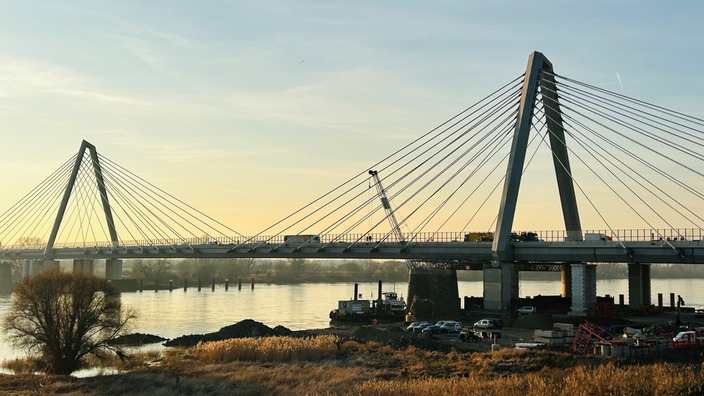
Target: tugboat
point(391, 308)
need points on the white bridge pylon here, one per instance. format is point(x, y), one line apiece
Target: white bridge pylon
point(92, 202)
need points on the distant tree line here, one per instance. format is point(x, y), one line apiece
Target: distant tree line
point(274, 271)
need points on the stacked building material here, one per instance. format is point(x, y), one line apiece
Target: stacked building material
point(561, 334)
point(604, 306)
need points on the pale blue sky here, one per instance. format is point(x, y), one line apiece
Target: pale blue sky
point(250, 109)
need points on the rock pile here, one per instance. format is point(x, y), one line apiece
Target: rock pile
point(243, 329)
point(136, 339)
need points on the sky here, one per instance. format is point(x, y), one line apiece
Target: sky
point(249, 110)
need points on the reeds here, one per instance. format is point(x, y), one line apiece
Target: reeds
point(328, 365)
point(609, 379)
point(268, 349)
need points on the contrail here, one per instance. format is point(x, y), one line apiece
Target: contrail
point(619, 80)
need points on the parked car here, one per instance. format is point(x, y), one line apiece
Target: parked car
point(440, 323)
point(489, 324)
point(414, 325)
point(451, 326)
point(433, 329)
point(527, 310)
point(420, 327)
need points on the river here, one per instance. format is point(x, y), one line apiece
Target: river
point(306, 306)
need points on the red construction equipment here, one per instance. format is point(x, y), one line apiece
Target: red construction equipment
point(588, 334)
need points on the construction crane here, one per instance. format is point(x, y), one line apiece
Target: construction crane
point(387, 206)
point(395, 227)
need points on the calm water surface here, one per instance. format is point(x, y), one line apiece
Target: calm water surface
point(306, 306)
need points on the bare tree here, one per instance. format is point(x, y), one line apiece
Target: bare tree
point(297, 265)
point(205, 270)
point(232, 268)
point(185, 268)
point(30, 242)
point(151, 269)
point(63, 317)
point(369, 268)
point(394, 270)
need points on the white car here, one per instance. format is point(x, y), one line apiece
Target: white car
point(527, 310)
point(488, 324)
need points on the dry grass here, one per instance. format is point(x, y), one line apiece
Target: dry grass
point(325, 365)
point(31, 365)
point(24, 365)
point(579, 381)
point(268, 349)
point(129, 362)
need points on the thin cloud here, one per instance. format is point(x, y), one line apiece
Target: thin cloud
point(21, 78)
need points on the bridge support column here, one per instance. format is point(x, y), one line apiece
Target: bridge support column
point(113, 269)
point(36, 266)
point(566, 275)
point(638, 285)
point(437, 286)
point(500, 285)
point(51, 264)
point(26, 268)
point(583, 288)
point(85, 266)
point(5, 278)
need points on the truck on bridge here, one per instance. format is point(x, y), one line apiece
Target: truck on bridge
point(301, 238)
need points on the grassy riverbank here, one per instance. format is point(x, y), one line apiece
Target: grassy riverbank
point(332, 365)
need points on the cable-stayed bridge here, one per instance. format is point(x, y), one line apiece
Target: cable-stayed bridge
point(612, 157)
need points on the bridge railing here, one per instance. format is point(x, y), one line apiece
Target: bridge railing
point(625, 235)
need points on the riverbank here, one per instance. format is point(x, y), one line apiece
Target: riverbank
point(327, 365)
point(373, 360)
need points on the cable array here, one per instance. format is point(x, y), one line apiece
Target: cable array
point(140, 213)
point(637, 157)
point(626, 157)
point(428, 182)
point(448, 178)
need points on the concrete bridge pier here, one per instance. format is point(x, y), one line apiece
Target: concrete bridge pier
point(51, 264)
point(5, 278)
point(82, 265)
point(31, 267)
point(566, 276)
point(500, 285)
point(638, 285)
point(583, 288)
point(113, 269)
point(26, 266)
point(440, 287)
point(36, 266)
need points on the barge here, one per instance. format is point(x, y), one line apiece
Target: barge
point(390, 308)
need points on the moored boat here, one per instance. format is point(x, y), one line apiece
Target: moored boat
point(391, 308)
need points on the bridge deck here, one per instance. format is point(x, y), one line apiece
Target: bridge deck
point(430, 252)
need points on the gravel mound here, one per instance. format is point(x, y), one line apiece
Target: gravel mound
point(243, 329)
point(137, 339)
